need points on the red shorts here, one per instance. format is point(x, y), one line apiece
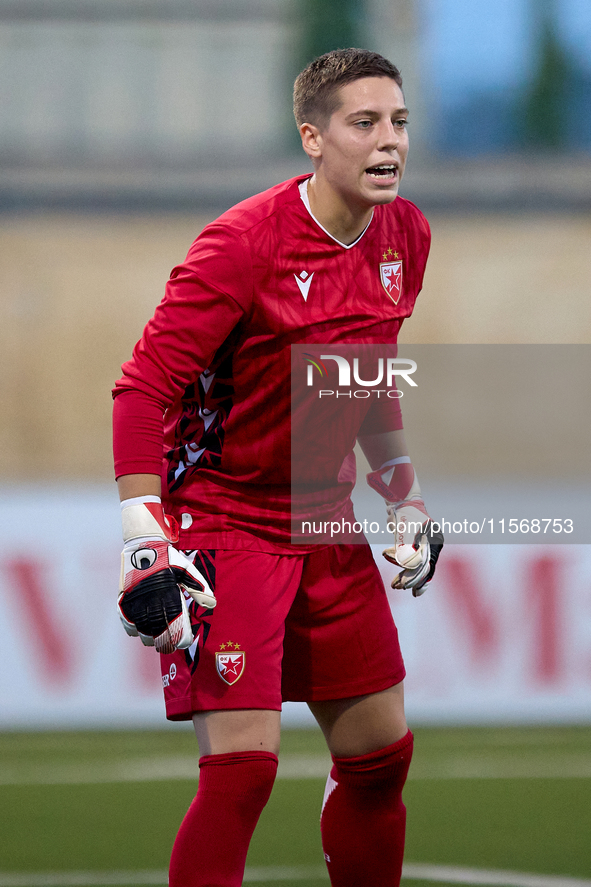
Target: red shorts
point(300, 627)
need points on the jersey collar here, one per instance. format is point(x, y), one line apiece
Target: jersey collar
point(303, 189)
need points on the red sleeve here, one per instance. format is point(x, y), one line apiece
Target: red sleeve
point(137, 434)
point(420, 242)
point(383, 415)
point(205, 298)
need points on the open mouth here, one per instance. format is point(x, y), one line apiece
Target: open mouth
point(383, 171)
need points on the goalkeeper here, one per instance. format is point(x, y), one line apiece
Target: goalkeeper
point(242, 618)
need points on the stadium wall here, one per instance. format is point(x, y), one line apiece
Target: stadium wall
point(78, 289)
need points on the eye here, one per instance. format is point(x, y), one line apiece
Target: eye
point(401, 123)
point(363, 124)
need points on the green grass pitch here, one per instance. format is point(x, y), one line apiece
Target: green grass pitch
point(510, 798)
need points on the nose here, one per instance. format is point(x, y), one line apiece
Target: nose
point(389, 136)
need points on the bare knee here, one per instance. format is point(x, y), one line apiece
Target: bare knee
point(362, 724)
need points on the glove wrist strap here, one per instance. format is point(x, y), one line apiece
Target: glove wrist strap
point(140, 500)
point(396, 481)
point(143, 517)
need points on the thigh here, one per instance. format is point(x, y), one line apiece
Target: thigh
point(224, 732)
point(235, 661)
point(340, 637)
point(363, 724)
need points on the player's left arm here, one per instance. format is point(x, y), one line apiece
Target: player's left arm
point(417, 541)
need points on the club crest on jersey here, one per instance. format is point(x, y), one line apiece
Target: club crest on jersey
point(391, 277)
point(229, 662)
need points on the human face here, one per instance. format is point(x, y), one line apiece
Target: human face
point(361, 154)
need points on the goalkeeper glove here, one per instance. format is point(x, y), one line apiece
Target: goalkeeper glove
point(157, 581)
point(416, 543)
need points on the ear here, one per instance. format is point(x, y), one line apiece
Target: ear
point(311, 140)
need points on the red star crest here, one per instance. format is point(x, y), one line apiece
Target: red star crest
point(230, 665)
point(391, 277)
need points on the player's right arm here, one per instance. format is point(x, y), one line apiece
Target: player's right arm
point(205, 298)
point(132, 485)
point(157, 581)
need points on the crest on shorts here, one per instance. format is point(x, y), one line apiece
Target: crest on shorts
point(391, 277)
point(229, 662)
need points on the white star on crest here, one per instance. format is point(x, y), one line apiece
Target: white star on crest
point(393, 275)
point(231, 667)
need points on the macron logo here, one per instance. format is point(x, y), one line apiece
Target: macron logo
point(304, 280)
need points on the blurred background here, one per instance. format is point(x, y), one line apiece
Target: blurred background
point(126, 126)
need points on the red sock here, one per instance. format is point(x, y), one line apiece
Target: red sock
point(211, 846)
point(363, 818)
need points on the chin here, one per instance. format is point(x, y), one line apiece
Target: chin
point(384, 197)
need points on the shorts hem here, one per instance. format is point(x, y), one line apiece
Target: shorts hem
point(344, 691)
point(184, 709)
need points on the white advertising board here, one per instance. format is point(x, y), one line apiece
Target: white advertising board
point(502, 635)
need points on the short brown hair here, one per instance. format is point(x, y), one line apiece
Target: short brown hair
point(315, 90)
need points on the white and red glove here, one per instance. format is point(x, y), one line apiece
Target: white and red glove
point(157, 581)
point(416, 543)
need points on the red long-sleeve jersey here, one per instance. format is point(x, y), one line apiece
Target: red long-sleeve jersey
point(206, 398)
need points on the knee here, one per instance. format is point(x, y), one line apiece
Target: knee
point(246, 777)
point(386, 768)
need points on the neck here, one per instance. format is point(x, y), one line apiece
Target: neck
point(343, 221)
